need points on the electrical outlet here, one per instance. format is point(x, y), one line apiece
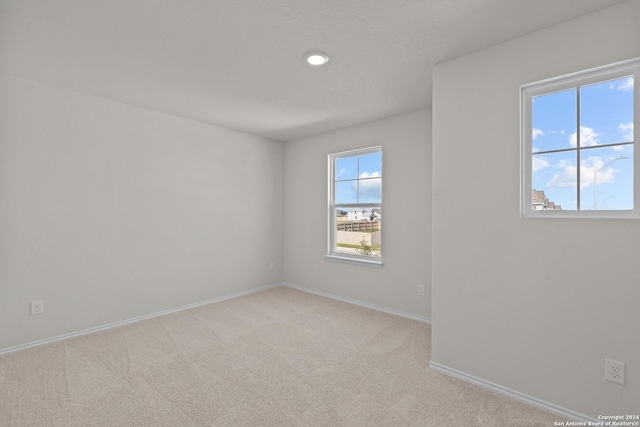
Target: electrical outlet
point(420, 290)
point(37, 307)
point(614, 371)
point(272, 266)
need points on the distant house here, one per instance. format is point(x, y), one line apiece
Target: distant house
point(357, 215)
point(364, 215)
point(540, 202)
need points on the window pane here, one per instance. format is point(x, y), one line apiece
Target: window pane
point(370, 165)
point(554, 177)
point(553, 121)
point(607, 178)
point(606, 112)
point(358, 231)
point(346, 192)
point(346, 168)
point(370, 190)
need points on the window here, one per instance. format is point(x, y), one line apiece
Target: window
point(355, 206)
point(578, 144)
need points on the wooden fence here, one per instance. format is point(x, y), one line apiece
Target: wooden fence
point(359, 226)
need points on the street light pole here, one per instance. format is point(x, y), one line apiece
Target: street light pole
point(602, 202)
point(595, 182)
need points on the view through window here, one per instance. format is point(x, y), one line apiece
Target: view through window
point(580, 150)
point(355, 209)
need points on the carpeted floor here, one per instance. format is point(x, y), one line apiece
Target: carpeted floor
point(280, 357)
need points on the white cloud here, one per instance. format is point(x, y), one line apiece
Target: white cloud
point(627, 85)
point(588, 137)
point(536, 133)
point(627, 131)
point(369, 175)
point(592, 164)
point(539, 163)
point(566, 176)
point(369, 188)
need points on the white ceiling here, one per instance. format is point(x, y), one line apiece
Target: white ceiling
point(238, 63)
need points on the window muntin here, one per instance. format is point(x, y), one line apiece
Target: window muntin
point(355, 205)
point(587, 173)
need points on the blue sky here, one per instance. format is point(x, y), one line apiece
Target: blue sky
point(606, 117)
point(359, 179)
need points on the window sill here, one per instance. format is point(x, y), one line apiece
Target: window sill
point(353, 260)
point(630, 214)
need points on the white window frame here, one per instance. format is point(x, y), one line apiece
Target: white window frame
point(575, 80)
point(332, 254)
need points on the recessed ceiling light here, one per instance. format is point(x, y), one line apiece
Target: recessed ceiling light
point(316, 58)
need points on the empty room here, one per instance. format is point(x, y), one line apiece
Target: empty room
point(319, 213)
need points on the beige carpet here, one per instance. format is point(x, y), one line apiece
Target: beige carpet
point(281, 357)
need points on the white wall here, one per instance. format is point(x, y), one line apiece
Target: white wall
point(406, 231)
point(533, 305)
point(109, 212)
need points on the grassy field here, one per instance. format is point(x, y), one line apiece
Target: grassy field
point(346, 245)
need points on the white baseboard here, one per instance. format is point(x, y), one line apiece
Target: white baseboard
point(511, 393)
point(135, 319)
point(360, 303)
